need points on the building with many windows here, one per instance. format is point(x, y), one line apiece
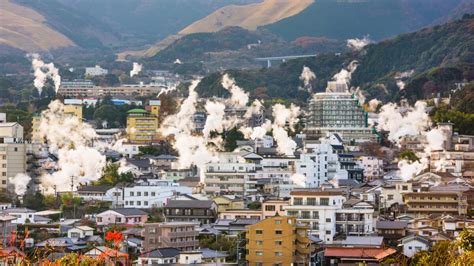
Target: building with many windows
point(338, 111)
point(12, 152)
point(142, 127)
point(277, 241)
point(327, 215)
point(179, 235)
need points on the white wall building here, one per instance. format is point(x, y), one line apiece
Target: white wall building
point(323, 211)
point(413, 244)
point(95, 71)
point(373, 167)
point(149, 195)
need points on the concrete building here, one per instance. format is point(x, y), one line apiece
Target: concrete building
point(142, 127)
point(151, 195)
point(74, 110)
point(154, 106)
point(234, 172)
point(338, 111)
point(277, 241)
point(274, 207)
point(436, 201)
point(80, 89)
point(12, 152)
point(413, 244)
point(179, 235)
point(202, 211)
point(95, 71)
point(325, 213)
point(373, 167)
point(123, 216)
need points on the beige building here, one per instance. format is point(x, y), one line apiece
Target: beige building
point(73, 109)
point(12, 152)
point(180, 235)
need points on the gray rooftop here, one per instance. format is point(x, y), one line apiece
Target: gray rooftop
point(363, 241)
point(391, 224)
point(190, 204)
point(129, 211)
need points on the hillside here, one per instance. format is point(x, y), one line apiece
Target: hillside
point(439, 56)
point(25, 29)
point(348, 19)
point(235, 47)
point(248, 16)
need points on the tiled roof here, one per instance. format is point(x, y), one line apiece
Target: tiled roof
point(348, 252)
point(391, 224)
point(199, 204)
point(129, 211)
point(161, 253)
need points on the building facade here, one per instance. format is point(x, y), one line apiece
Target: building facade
point(179, 235)
point(142, 127)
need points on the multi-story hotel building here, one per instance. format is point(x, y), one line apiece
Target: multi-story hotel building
point(142, 127)
point(338, 111)
point(442, 202)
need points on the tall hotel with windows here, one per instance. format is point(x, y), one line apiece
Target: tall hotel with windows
point(338, 111)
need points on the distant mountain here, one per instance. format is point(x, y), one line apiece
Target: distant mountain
point(25, 29)
point(438, 57)
point(248, 16)
point(40, 25)
point(343, 19)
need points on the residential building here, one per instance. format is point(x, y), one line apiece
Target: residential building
point(274, 207)
point(233, 173)
point(363, 241)
point(95, 71)
point(202, 211)
point(179, 235)
point(392, 193)
point(148, 195)
point(80, 89)
point(413, 244)
point(99, 193)
point(338, 111)
point(324, 211)
point(225, 203)
point(7, 227)
point(80, 232)
point(159, 256)
point(243, 213)
point(277, 241)
point(443, 202)
point(124, 216)
point(12, 152)
point(108, 255)
point(25, 216)
point(391, 231)
point(357, 255)
point(142, 127)
point(154, 106)
point(73, 110)
point(454, 162)
point(373, 167)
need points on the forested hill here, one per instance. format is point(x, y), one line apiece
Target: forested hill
point(442, 54)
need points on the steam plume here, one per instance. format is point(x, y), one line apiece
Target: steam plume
point(136, 69)
point(20, 183)
point(345, 75)
point(307, 76)
point(43, 71)
point(238, 96)
point(358, 44)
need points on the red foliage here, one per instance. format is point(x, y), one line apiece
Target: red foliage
point(114, 236)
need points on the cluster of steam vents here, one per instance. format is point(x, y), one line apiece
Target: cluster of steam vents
point(80, 158)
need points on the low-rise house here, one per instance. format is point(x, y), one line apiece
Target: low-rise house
point(225, 203)
point(6, 228)
point(94, 193)
point(363, 241)
point(25, 215)
point(159, 256)
point(179, 235)
point(274, 207)
point(5, 205)
point(213, 256)
point(243, 213)
point(190, 257)
point(412, 244)
point(108, 255)
point(124, 216)
point(392, 231)
point(356, 255)
point(202, 211)
point(148, 195)
point(80, 232)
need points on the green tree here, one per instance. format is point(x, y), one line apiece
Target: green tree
point(106, 113)
point(409, 156)
point(255, 205)
point(110, 176)
point(231, 137)
point(34, 201)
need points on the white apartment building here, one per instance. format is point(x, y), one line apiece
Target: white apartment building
point(234, 172)
point(148, 195)
point(318, 164)
point(373, 167)
point(324, 212)
point(392, 193)
point(95, 71)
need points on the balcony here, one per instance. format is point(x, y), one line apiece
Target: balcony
point(432, 200)
point(180, 244)
point(183, 234)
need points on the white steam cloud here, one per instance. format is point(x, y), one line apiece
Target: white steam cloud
point(411, 121)
point(43, 72)
point(283, 116)
point(345, 75)
point(137, 68)
point(401, 76)
point(20, 183)
point(358, 44)
point(307, 76)
point(238, 97)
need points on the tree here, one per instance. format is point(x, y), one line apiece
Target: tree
point(110, 176)
point(220, 243)
point(409, 156)
point(231, 137)
point(255, 205)
point(34, 201)
point(106, 113)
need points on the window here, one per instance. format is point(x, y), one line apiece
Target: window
point(404, 187)
point(278, 254)
point(259, 253)
point(305, 215)
point(258, 232)
point(145, 194)
point(278, 243)
point(298, 201)
point(139, 194)
point(153, 194)
point(131, 194)
point(277, 221)
point(390, 197)
point(315, 215)
point(311, 201)
point(145, 203)
point(328, 220)
point(270, 207)
point(278, 232)
point(328, 232)
point(259, 242)
point(324, 201)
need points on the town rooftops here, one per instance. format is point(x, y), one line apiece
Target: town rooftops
point(5, 217)
point(359, 253)
point(366, 241)
point(317, 192)
point(161, 253)
point(18, 210)
point(415, 237)
point(391, 224)
point(129, 211)
point(94, 189)
point(190, 204)
point(209, 253)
